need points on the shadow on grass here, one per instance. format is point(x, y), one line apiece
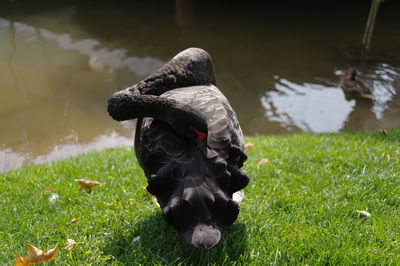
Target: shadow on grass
point(152, 241)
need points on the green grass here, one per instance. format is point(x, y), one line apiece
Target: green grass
point(299, 209)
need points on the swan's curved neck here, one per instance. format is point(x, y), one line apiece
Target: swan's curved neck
point(182, 117)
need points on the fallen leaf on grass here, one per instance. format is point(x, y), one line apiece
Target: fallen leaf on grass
point(248, 146)
point(22, 261)
point(70, 244)
point(382, 131)
point(364, 213)
point(238, 196)
point(252, 253)
point(35, 256)
point(146, 191)
point(87, 184)
point(153, 198)
point(74, 221)
point(264, 161)
point(47, 191)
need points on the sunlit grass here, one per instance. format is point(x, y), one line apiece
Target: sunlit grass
point(299, 208)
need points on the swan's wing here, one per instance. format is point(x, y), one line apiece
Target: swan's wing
point(224, 132)
point(225, 143)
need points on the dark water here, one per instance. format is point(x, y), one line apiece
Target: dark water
point(278, 64)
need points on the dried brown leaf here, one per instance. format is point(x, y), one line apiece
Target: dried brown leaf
point(87, 184)
point(382, 131)
point(364, 213)
point(249, 146)
point(48, 191)
point(70, 244)
point(147, 192)
point(35, 256)
point(264, 161)
point(22, 261)
point(252, 253)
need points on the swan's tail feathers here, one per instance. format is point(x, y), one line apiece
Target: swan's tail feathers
point(239, 180)
point(190, 67)
point(203, 236)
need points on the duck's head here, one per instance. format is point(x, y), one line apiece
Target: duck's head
point(350, 74)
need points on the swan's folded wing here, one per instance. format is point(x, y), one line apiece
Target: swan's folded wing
point(224, 132)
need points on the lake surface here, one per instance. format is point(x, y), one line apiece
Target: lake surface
point(278, 64)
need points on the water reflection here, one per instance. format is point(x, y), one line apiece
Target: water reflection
point(310, 107)
point(72, 146)
point(67, 147)
point(320, 108)
point(383, 80)
point(114, 59)
point(10, 159)
point(53, 85)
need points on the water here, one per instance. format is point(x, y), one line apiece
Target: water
point(279, 65)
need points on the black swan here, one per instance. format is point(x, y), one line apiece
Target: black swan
point(354, 87)
point(189, 143)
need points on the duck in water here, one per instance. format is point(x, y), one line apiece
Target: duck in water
point(189, 143)
point(354, 87)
